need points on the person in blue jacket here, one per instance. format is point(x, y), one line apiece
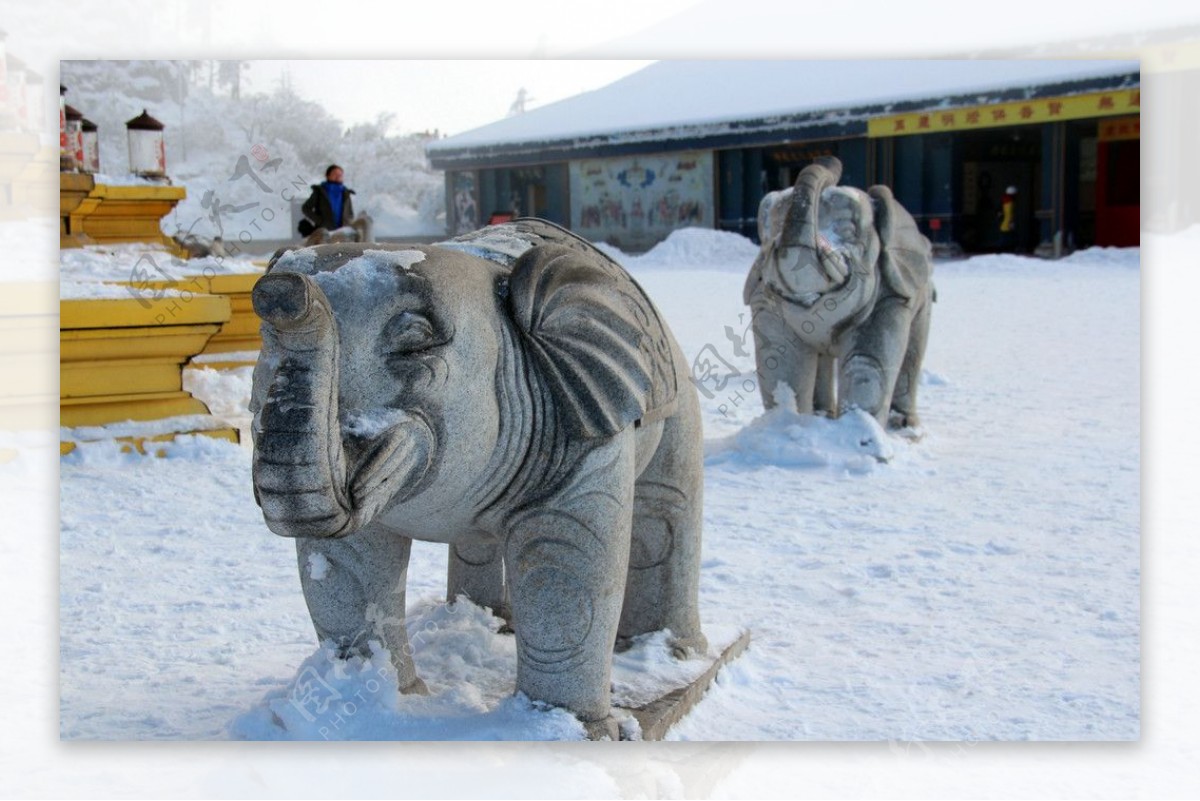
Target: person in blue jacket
point(329, 206)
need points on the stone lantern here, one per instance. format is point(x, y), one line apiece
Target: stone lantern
point(147, 153)
point(64, 149)
point(91, 146)
point(75, 136)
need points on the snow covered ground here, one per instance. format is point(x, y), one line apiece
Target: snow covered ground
point(983, 584)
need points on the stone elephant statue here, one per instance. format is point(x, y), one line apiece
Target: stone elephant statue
point(512, 393)
point(841, 294)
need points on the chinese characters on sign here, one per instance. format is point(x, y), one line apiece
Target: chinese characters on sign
point(1096, 104)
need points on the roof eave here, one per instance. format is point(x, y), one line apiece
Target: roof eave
point(804, 126)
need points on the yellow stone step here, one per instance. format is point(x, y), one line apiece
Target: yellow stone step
point(143, 310)
point(103, 410)
point(241, 331)
point(122, 358)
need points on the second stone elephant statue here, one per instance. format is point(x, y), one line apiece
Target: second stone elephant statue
point(841, 295)
point(512, 393)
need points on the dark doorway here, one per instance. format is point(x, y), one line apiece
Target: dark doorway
point(1118, 195)
point(992, 161)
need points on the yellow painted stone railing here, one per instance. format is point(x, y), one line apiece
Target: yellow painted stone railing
point(132, 213)
point(94, 213)
point(74, 203)
point(240, 333)
point(122, 359)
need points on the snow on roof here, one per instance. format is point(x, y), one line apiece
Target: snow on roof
point(671, 94)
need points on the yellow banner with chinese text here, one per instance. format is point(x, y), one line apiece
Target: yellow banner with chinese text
point(1119, 102)
point(1120, 129)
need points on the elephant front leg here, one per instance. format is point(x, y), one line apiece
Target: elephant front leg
point(825, 392)
point(782, 358)
point(867, 379)
point(566, 561)
point(476, 570)
point(355, 591)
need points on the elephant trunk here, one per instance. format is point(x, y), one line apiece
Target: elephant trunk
point(801, 226)
point(299, 463)
point(806, 265)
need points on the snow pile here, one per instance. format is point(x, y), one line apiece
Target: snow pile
point(141, 428)
point(693, 249)
point(468, 667)
point(1089, 261)
point(124, 179)
point(105, 454)
point(203, 359)
point(90, 290)
point(781, 437)
point(1091, 258)
point(226, 393)
point(141, 262)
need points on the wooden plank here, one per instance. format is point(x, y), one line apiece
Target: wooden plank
point(657, 717)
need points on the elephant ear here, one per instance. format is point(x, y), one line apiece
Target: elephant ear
point(905, 260)
point(771, 211)
point(596, 339)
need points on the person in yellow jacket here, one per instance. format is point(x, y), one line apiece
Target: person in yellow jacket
point(1008, 222)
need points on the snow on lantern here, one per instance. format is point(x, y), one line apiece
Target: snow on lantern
point(91, 146)
point(147, 153)
point(75, 136)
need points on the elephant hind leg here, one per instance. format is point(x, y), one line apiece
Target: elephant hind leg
point(904, 399)
point(355, 591)
point(477, 571)
point(662, 586)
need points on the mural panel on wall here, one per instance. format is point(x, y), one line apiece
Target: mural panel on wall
point(633, 202)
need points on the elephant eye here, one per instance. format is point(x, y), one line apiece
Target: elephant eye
point(408, 332)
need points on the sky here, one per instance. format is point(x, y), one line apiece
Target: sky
point(451, 96)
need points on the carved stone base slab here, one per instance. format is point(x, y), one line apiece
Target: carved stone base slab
point(657, 716)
